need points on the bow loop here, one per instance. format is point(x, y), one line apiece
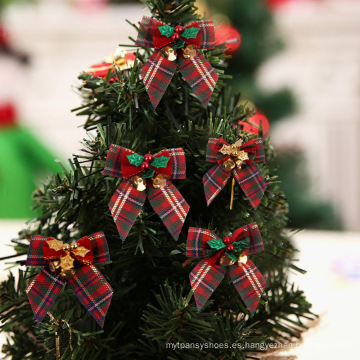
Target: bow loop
point(227, 255)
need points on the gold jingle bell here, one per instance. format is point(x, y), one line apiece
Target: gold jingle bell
point(139, 183)
point(189, 51)
point(226, 261)
point(228, 164)
point(242, 259)
point(159, 181)
point(54, 266)
point(169, 53)
point(67, 274)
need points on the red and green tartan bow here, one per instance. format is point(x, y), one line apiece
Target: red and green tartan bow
point(177, 43)
point(72, 264)
point(227, 255)
point(147, 176)
point(236, 159)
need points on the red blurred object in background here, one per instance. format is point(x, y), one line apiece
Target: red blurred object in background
point(228, 35)
point(4, 38)
point(7, 115)
point(272, 4)
point(254, 123)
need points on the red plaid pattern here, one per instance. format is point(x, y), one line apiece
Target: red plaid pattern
point(171, 207)
point(204, 280)
point(42, 293)
point(125, 205)
point(214, 181)
point(156, 75)
point(207, 274)
point(178, 163)
point(200, 75)
point(93, 291)
point(113, 161)
point(252, 183)
point(207, 34)
point(146, 30)
point(248, 177)
point(88, 283)
point(249, 283)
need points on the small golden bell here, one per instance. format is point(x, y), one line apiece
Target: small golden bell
point(226, 261)
point(159, 181)
point(74, 246)
point(54, 266)
point(228, 164)
point(235, 153)
point(189, 52)
point(66, 247)
point(139, 183)
point(169, 53)
point(242, 259)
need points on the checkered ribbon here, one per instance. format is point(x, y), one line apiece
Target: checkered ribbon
point(126, 203)
point(89, 285)
point(208, 273)
point(158, 70)
point(248, 176)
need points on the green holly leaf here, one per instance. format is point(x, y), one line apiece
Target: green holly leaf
point(166, 30)
point(216, 244)
point(148, 174)
point(190, 33)
point(135, 159)
point(179, 44)
point(160, 162)
point(232, 256)
point(239, 246)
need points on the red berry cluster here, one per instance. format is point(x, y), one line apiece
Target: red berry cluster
point(178, 30)
point(226, 241)
point(148, 158)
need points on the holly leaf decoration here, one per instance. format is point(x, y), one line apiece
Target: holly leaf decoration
point(232, 256)
point(166, 30)
point(216, 244)
point(179, 44)
point(160, 162)
point(239, 246)
point(135, 159)
point(190, 33)
point(148, 174)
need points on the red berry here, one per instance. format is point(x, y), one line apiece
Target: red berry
point(226, 240)
point(230, 247)
point(145, 165)
point(175, 36)
point(179, 29)
point(148, 158)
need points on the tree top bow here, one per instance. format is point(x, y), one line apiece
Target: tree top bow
point(147, 176)
point(228, 255)
point(238, 160)
point(72, 264)
point(179, 43)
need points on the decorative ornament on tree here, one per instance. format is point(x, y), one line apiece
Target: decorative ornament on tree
point(254, 123)
point(120, 58)
point(227, 34)
point(72, 264)
point(177, 43)
point(229, 255)
point(237, 160)
point(147, 176)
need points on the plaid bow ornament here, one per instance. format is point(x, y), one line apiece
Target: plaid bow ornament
point(229, 255)
point(147, 176)
point(237, 160)
point(72, 264)
point(179, 43)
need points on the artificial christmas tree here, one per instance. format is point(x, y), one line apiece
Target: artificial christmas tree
point(142, 127)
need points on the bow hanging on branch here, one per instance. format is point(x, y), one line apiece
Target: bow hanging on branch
point(236, 159)
point(179, 43)
point(147, 176)
point(229, 255)
point(72, 264)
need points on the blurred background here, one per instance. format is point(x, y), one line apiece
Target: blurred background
point(296, 63)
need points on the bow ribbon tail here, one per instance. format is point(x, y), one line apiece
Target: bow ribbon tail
point(200, 75)
point(125, 205)
point(42, 293)
point(35, 256)
point(214, 181)
point(252, 183)
point(204, 279)
point(249, 283)
point(93, 291)
point(100, 248)
point(255, 149)
point(156, 75)
point(171, 207)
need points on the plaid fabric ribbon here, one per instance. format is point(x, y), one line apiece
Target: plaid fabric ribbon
point(180, 43)
point(226, 256)
point(72, 264)
point(237, 159)
point(151, 181)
